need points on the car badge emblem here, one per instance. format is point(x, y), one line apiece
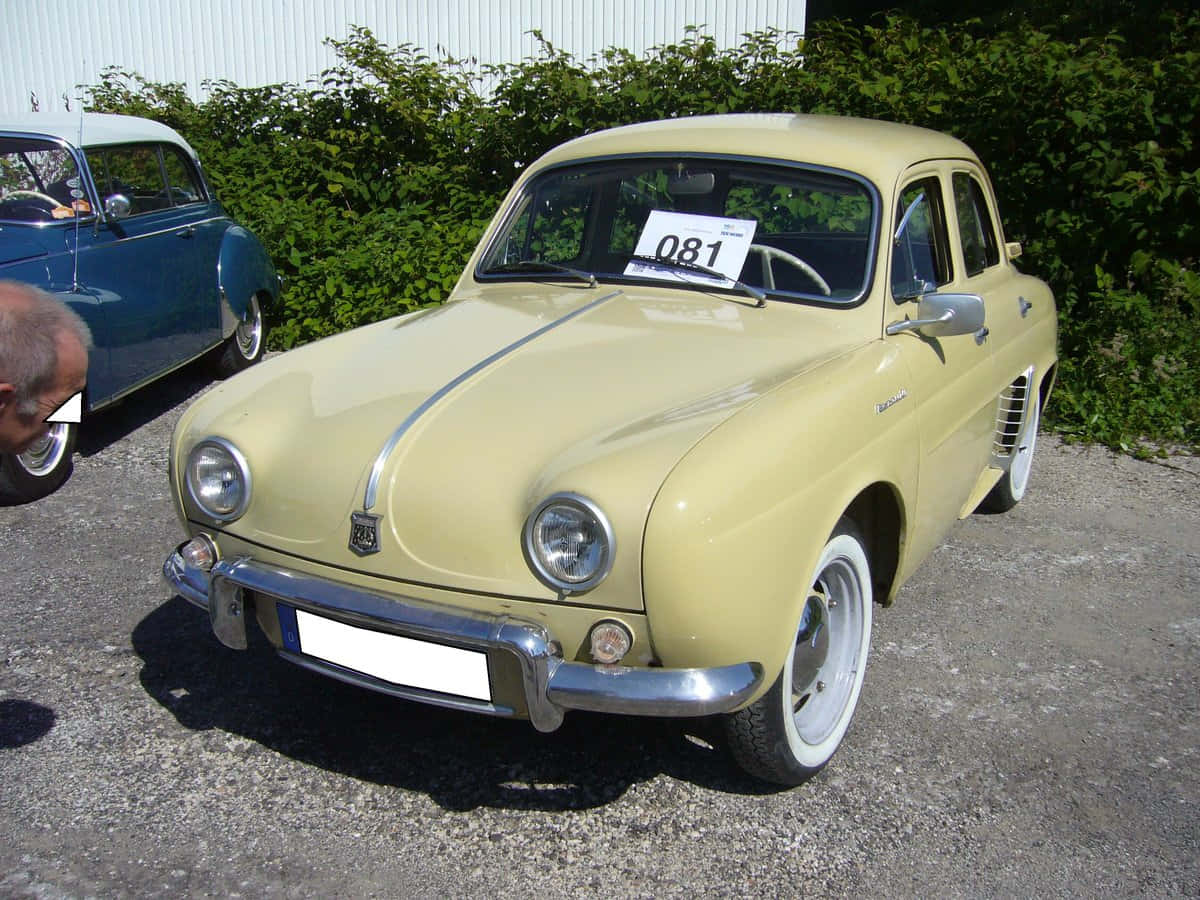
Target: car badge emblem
point(364, 533)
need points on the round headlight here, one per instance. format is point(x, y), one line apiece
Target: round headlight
point(569, 543)
point(218, 479)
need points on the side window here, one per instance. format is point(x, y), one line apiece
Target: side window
point(182, 177)
point(135, 172)
point(975, 231)
point(39, 182)
point(920, 257)
point(551, 226)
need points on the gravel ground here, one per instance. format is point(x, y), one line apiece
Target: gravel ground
point(1028, 727)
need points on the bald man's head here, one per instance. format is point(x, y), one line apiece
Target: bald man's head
point(43, 361)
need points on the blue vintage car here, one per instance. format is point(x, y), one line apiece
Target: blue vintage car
point(113, 215)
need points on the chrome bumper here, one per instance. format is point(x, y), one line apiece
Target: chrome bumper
point(550, 684)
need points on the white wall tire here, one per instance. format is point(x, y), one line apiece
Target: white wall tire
point(793, 730)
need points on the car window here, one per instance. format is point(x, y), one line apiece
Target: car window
point(549, 227)
point(803, 231)
point(185, 183)
point(920, 257)
point(975, 232)
point(39, 182)
point(637, 195)
point(133, 172)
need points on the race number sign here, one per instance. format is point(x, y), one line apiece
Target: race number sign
point(709, 241)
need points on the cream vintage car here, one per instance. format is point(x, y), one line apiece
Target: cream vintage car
point(708, 391)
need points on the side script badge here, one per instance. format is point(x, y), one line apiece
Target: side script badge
point(364, 533)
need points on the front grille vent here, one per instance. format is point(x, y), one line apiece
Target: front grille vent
point(1010, 413)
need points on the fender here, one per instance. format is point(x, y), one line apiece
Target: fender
point(734, 534)
point(243, 270)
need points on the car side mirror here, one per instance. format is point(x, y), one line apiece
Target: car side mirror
point(944, 315)
point(117, 206)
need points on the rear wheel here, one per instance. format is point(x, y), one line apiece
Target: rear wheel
point(41, 469)
point(1012, 484)
point(245, 346)
point(791, 732)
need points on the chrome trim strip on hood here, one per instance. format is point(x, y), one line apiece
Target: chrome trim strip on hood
point(377, 469)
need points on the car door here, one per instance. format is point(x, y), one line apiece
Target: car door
point(1010, 312)
point(154, 269)
point(951, 377)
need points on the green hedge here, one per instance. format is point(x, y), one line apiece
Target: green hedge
point(371, 186)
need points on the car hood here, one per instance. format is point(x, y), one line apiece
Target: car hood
point(473, 412)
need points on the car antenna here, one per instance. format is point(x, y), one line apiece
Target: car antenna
point(76, 194)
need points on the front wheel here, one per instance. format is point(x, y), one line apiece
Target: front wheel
point(790, 733)
point(245, 347)
point(41, 469)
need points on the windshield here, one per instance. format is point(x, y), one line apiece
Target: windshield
point(39, 182)
point(789, 231)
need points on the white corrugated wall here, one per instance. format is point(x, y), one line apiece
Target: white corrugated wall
point(49, 46)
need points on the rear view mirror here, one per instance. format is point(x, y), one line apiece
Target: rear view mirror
point(691, 183)
point(944, 315)
point(117, 206)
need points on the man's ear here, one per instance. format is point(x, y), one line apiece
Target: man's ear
point(7, 392)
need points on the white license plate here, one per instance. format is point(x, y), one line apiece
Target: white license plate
point(399, 660)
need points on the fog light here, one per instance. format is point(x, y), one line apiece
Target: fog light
point(199, 553)
point(610, 642)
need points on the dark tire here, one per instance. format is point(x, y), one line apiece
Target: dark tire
point(1012, 485)
point(792, 731)
point(41, 469)
point(245, 346)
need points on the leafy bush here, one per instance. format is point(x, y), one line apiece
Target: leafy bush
point(371, 186)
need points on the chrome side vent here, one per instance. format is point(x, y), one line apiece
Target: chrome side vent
point(1010, 416)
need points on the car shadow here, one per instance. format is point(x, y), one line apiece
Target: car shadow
point(460, 760)
point(104, 428)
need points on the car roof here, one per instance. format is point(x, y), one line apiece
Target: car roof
point(879, 150)
point(98, 128)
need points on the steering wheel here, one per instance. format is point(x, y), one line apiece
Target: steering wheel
point(769, 253)
point(31, 195)
point(28, 206)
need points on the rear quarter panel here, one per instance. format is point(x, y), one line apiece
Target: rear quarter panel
point(243, 270)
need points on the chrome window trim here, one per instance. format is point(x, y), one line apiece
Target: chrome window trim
point(158, 146)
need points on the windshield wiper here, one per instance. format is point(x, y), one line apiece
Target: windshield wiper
point(538, 265)
point(668, 263)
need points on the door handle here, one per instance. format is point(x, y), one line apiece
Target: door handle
point(981, 335)
point(188, 232)
point(1025, 306)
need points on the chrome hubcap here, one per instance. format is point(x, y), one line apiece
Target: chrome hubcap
point(811, 650)
point(249, 331)
point(46, 453)
point(825, 658)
